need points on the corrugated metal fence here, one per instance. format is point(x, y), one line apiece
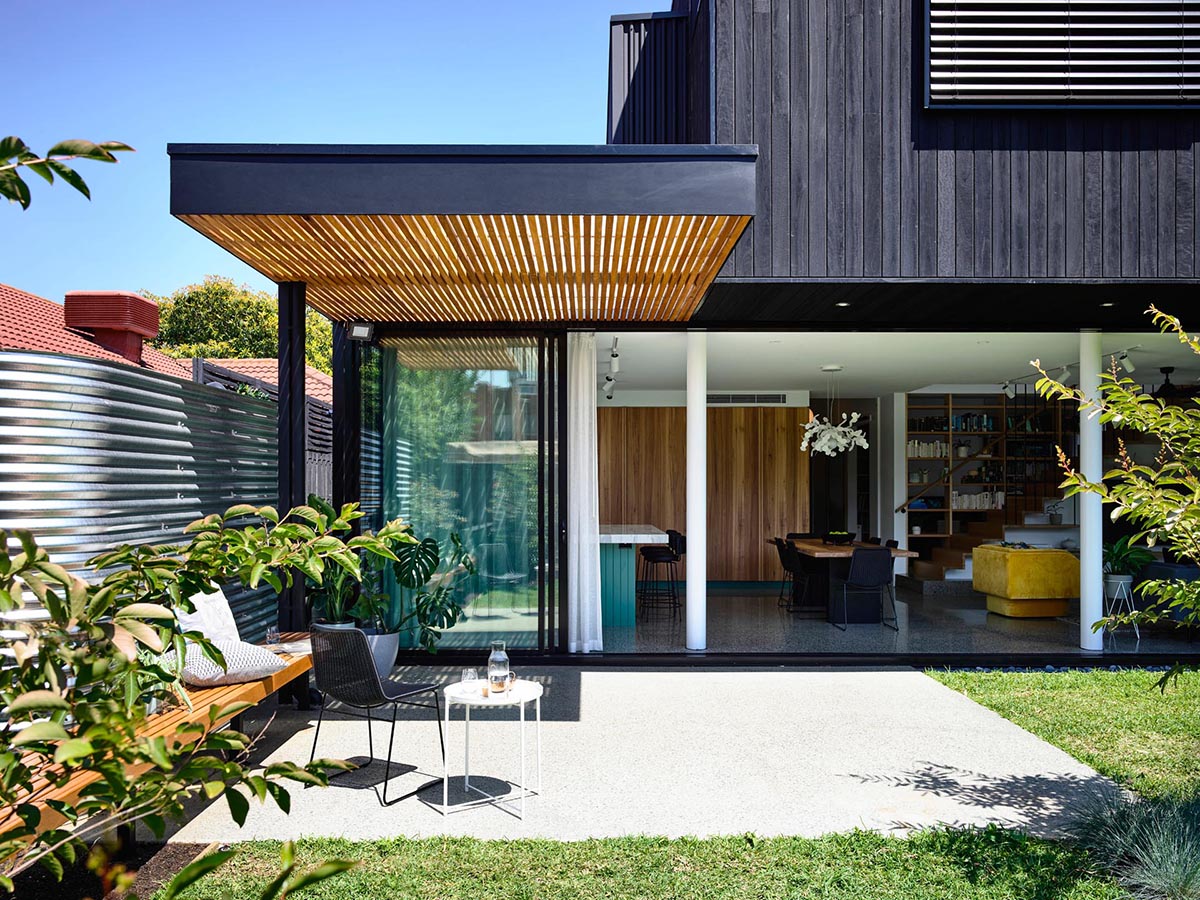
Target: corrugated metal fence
point(95, 454)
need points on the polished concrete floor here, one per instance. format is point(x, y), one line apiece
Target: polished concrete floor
point(702, 752)
point(748, 619)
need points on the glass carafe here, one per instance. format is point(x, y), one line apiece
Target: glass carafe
point(498, 668)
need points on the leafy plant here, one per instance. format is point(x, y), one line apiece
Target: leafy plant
point(287, 882)
point(78, 693)
point(432, 605)
point(1124, 558)
point(1152, 846)
point(220, 319)
point(1160, 499)
point(16, 155)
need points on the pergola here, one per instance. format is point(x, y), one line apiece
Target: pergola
point(461, 237)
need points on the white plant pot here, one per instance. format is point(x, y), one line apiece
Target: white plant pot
point(1111, 582)
point(384, 647)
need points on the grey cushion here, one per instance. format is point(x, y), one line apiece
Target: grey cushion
point(244, 662)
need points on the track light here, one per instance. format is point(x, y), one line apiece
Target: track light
point(1010, 390)
point(608, 379)
point(1064, 373)
point(1126, 362)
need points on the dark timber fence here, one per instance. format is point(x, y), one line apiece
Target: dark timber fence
point(94, 454)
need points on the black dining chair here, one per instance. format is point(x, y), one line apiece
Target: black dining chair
point(345, 671)
point(891, 544)
point(874, 541)
point(793, 563)
point(781, 547)
point(870, 573)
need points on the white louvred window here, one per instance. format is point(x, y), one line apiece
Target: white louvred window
point(1063, 52)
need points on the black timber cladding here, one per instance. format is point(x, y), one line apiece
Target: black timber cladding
point(648, 84)
point(857, 179)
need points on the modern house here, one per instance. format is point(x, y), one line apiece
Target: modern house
point(804, 208)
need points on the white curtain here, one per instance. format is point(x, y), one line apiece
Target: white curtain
point(585, 628)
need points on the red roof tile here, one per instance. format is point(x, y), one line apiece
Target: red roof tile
point(316, 383)
point(30, 322)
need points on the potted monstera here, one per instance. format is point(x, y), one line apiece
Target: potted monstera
point(1122, 561)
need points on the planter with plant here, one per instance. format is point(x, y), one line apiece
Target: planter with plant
point(1054, 512)
point(1122, 561)
point(427, 603)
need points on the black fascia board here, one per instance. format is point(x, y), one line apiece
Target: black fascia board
point(306, 179)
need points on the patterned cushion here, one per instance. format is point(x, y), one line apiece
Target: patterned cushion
point(245, 662)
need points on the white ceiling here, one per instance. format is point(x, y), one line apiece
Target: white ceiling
point(873, 363)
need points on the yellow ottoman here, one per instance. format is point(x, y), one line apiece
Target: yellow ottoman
point(1025, 583)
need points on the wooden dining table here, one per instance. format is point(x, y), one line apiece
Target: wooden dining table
point(831, 562)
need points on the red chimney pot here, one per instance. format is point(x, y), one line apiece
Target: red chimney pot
point(118, 320)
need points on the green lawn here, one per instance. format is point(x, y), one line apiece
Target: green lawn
point(944, 865)
point(1117, 722)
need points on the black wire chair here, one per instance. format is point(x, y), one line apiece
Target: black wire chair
point(795, 575)
point(870, 572)
point(345, 671)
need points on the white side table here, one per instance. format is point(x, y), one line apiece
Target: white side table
point(1121, 603)
point(519, 695)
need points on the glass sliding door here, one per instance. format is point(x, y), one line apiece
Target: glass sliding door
point(460, 438)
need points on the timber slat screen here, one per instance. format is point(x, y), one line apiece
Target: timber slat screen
point(94, 454)
point(1076, 52)
point(486, 268)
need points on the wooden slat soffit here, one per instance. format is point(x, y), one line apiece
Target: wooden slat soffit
point(477, 268)
point(462, 353)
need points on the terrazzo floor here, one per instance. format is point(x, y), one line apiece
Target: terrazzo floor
point(750, 620)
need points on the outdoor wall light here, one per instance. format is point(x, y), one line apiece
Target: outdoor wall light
point(360, 331)
point(1126, 362)
point(1009, 390)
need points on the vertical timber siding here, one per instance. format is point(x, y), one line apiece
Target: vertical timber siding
point(94, 454)
point(856, 179)
point(648, 79)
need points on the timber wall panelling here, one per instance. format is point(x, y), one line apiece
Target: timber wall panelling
point(758, 485)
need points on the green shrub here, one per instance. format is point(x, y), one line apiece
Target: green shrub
point(1152, 846)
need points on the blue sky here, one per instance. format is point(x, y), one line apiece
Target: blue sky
point(151, 73)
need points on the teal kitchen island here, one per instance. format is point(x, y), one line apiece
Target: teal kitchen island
point(618, 571)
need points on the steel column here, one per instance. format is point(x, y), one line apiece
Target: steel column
point(1091, 515)
point(291, 432)
point(347, 417)
point(696, 564)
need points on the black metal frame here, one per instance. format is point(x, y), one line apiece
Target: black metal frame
point(387, 769)
point(552, 451)
point(292, 316)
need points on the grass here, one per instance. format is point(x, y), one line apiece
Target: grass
point(1118, 723)
point(949, 865)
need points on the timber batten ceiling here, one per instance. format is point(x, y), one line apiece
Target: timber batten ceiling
point(476, 235)
point(487, 268)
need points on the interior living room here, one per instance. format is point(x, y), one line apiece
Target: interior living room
point(958, 452)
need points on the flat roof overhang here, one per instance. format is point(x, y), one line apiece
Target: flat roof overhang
point(463, 234)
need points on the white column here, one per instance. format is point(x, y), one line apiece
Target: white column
point(697, 491)
point(1091, 515)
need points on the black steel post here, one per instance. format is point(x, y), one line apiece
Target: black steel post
point(347, 417)
point(291, 433)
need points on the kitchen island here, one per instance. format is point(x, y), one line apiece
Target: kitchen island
point(618, 571)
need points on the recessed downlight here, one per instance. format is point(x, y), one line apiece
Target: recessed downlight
point(1108, 303)
point(831, 367)
point(842, 303)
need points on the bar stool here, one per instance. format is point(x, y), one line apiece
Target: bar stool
point(656, 586)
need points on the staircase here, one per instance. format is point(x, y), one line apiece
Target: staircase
point(950, 564)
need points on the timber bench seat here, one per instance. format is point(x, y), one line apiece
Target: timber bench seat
point(167, 722)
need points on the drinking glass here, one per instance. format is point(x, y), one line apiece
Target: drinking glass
point(273, 635)
point(469, 676)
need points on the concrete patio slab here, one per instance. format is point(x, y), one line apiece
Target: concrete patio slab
point(699, 752)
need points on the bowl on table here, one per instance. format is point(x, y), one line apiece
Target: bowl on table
point(837, 537)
